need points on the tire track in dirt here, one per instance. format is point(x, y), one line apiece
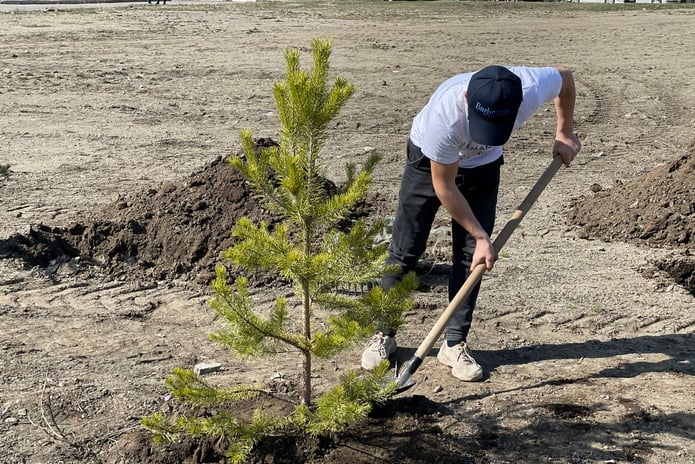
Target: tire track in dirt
point(658, 109)
point(113, 313)
point(593, 101)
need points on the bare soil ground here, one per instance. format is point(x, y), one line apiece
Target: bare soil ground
point(115, 122)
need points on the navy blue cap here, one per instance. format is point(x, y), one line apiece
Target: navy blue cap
point(494, 95)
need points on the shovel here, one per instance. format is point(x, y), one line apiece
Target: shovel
point(404, 380)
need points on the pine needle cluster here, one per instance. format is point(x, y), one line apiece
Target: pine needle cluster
point(307, 249)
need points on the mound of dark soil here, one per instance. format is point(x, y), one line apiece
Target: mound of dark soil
point(176, 230)
point(656, 209)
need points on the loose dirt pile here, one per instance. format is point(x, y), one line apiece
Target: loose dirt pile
point(174, 231)
point(656, 209)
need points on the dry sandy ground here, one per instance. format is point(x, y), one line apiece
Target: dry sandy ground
point(588, 352)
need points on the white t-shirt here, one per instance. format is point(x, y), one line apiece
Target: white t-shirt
point(440, 129)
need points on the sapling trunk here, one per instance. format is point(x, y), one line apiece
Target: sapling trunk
point(306, 296)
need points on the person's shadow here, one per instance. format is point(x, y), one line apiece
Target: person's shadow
point(679, 349)
point(578, 416)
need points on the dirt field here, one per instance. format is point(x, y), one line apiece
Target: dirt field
point(111, 115)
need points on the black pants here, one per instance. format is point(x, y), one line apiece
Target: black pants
point(417, 207)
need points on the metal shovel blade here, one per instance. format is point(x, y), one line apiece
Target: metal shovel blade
point(405, 385)
point(403, 380)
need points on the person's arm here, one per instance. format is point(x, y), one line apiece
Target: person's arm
point(444, 181)
point(566, 143)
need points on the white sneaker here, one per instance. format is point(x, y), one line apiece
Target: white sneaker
point(380, 347)
point(459, 358)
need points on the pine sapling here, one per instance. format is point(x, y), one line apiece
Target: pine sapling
point(307, 248)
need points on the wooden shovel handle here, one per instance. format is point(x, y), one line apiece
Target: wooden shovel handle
point(480, 269)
